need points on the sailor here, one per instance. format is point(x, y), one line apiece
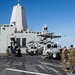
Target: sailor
point(64, 55)
point(8, 52)
point(71, 58)
point(19, 52)
point(13, 43)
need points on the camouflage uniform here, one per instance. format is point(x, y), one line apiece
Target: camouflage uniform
point(71, 55)
point(64, 55)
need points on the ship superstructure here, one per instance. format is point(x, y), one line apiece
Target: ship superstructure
point(19, 30)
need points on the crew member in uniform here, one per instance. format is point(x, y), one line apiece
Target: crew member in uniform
point(64, 58)
point(71, 58)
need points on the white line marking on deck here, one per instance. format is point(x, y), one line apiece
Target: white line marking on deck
point(50, 64)
point(10, 69)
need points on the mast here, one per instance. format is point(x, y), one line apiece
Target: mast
point(18, 16)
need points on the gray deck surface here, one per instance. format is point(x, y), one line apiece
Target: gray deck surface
point(30, 65)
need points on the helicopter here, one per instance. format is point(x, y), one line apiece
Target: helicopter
point(50, 48)
point(32, 48)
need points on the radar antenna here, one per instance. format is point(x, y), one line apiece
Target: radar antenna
point(18, 2)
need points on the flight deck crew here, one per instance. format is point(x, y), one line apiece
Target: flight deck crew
point(64, 56)
point(71, 58)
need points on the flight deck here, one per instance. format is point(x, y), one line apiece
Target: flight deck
point(31, 65)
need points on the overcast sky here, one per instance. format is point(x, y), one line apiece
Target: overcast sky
point(59, 15)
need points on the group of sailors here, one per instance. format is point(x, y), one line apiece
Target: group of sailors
point(68, 55)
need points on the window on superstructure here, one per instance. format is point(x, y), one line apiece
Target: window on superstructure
point(23, 42)
point(37, 32)
point(18, 42)
point(11, 25)
point(21, 31)
point(4, 25)
point(3, 28)
point(34, 32)
point(1, 25)
point(7, 25)
point(40, 32)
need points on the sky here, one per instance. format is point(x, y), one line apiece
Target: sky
point(58, 15)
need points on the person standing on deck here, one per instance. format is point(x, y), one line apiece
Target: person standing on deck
point(71, 58)
point(64, 58)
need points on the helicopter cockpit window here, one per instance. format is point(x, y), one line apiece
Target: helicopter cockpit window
point(52, 46)
point(34, 47)
point(31, 47)
point(49, 46)
point(55, 45)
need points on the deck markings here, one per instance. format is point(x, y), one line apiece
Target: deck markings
point(46, 63)
point(16, 70)
point(54, 70)
point(3, 61)
point(31, 67)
